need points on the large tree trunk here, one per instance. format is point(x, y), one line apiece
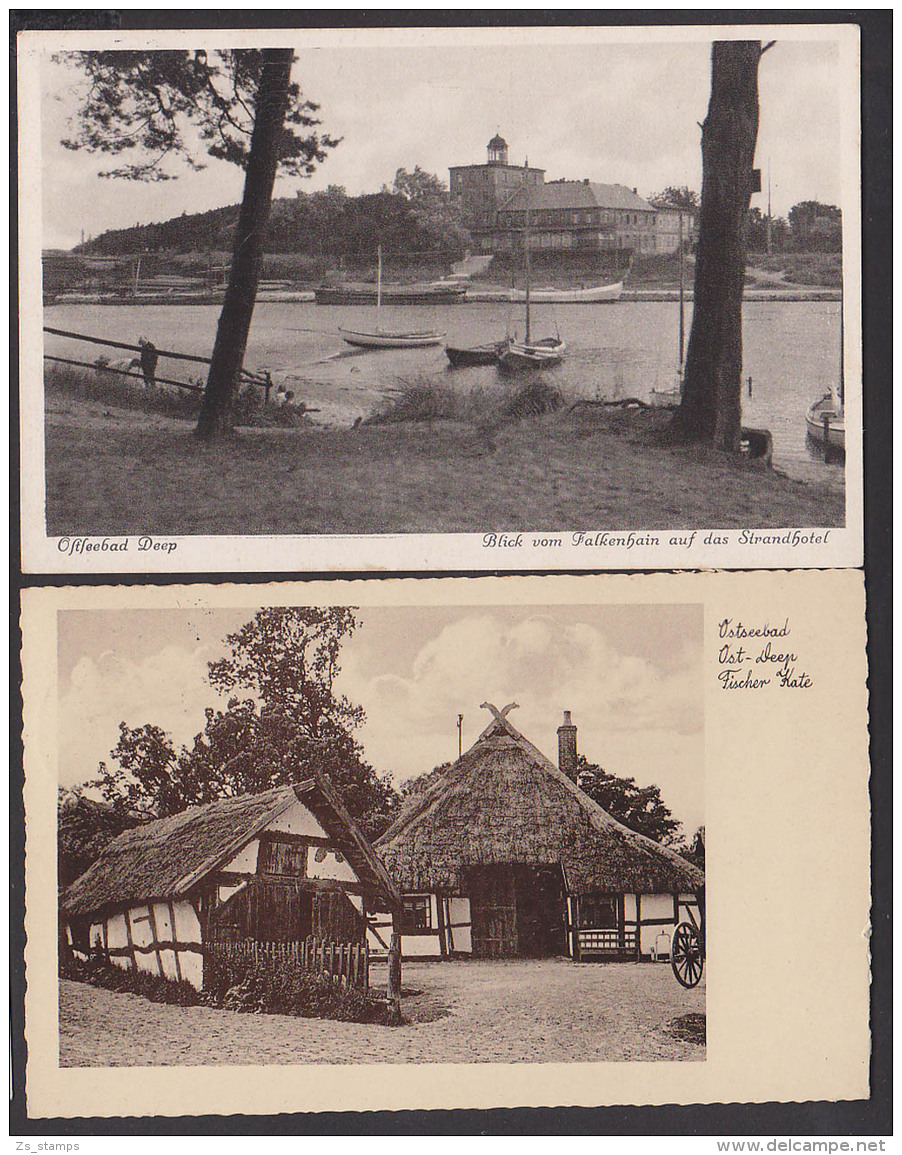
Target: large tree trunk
point(247, 258)
point(710, 409)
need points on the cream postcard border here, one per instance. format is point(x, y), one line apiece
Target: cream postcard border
point(788, 847)
point(795, 546)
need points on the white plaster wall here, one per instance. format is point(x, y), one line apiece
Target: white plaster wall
point(245, 861)
point(142, 932)
point(297, 819)
point(657, 906)
point(164, 921)
point(167, 958)
point(95, 935)
point(414, 945)
point(688, 903)
point(629, 906)
point(227, 891)
point(650, 939)
point(142, 935)
point(187, 925)
point(117, 935)
point(459, 910)
point(192, 964)
point(330, 867)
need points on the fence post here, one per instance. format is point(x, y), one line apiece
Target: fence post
point(394, 972)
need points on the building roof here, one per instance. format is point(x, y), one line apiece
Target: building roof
point(504, 802)
point(577, 194)
point(170, 856)
point(497, 141)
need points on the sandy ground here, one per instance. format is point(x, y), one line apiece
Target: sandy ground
point(115, 471)
point(460, 1012)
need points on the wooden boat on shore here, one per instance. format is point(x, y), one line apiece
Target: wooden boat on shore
point(826, 423)
point(487, 354)
point(387, 340)
point(597, 294)
point(399, 295)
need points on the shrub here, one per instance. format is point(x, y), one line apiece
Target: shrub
point(274, 986)
point(283, 987)
point(97, 970)
point(424, 399)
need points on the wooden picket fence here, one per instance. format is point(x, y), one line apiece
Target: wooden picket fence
point(347, 963)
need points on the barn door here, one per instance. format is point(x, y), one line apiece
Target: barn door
point(267, 911)
point(493, 911)
point(336, 919)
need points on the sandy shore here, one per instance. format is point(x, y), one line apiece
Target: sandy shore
point(112, 471)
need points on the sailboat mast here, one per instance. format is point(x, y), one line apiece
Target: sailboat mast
point(378, 286)
point(526, 239)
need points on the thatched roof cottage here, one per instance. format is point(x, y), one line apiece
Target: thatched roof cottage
point(504, 855)
point(271, 867)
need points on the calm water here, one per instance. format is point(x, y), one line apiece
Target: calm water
point(791, 351)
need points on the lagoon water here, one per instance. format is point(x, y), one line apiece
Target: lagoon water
point(791, 351)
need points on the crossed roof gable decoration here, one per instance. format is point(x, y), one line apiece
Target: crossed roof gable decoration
point(500, 719)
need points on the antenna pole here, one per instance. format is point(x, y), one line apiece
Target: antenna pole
point(460, 735)
point(526, 246)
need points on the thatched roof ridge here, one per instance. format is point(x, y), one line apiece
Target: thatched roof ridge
point(504, 801)
point(167, 858)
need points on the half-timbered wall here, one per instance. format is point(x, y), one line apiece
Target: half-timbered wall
point(163, 938)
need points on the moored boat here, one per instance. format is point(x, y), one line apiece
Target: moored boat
point(528, 353)
point(826, 423)
point(486, 354)
point(382, 339)
point(533, 355)
point(597, 294)
point(369, 295)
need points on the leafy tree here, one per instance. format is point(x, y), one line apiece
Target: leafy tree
point(710, 409)
point(816, 227)
point(84, 828)
point(678, 198)
point(293, 721)
point(641, 808)
point(246, 109)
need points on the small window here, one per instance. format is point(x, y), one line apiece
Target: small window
point(282, 858)
point(417, 912)
point(598, 912)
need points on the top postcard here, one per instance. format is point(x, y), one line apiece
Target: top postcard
point(452, 299)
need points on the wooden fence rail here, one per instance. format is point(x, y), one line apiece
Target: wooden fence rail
point(252, 377)
point(347, 963)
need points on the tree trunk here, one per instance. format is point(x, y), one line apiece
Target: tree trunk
point(247, 258)
point(710, 409)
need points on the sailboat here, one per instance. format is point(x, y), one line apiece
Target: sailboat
point(529, 354)
point(386, 339)
point(826, 419)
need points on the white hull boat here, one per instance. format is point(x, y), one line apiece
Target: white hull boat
point(535, 355)
point(826, 422)
point(387, 340)
point(595, 295)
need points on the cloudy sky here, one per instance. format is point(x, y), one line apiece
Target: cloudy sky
point(630, 675)
point(615, 113)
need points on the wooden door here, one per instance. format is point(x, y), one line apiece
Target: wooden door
point(336, 919)
point(493, 911)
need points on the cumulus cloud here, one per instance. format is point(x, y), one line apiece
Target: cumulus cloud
point(168, 688)
point(634, 716)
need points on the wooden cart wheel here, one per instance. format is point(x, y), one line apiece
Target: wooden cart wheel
point(686, 955)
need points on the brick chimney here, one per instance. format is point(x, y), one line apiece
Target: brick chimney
point(566, 746)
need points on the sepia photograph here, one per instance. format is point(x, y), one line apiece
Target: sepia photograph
point(589, 290)
point(567, 840)
point(305, 837)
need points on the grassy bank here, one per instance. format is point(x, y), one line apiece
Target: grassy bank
point(111, 471)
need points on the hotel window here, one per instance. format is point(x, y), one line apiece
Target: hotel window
point(417, 912)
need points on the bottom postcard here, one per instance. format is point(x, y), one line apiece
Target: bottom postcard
point(539, 841)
